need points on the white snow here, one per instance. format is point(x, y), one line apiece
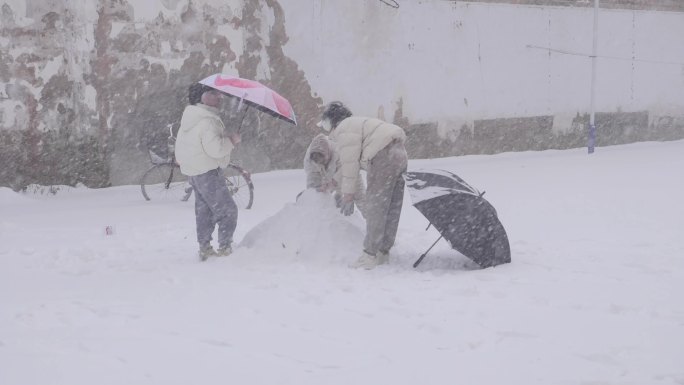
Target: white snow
point(593, 295)
point(426, 193)
point(310, 230)
point(420, 193)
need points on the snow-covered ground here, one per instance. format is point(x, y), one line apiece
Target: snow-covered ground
point(594, 294)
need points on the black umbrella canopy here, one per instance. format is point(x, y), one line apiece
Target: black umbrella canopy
point(461, 215)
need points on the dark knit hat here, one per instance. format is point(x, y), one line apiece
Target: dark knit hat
point(195, 92)
point(335, 112)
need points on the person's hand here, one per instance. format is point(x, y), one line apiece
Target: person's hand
point(347, 204)
point(235, 138)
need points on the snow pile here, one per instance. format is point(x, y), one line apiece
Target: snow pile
point(7, 196)
point(311, 229)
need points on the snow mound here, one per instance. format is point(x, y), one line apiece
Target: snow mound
point(311, 229)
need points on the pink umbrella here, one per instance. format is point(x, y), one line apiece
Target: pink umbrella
point(253, 94)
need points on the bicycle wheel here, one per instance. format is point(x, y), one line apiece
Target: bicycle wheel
point(240, 185)
point(165, 182)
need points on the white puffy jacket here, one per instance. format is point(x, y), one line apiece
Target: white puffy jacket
point(201, 144)
point(358, 140)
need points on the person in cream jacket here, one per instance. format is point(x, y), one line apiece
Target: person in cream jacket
point(202, 149)
point(377, 147)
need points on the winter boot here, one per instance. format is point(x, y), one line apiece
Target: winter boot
point(383, 257)
point(206, 252)
point(365, 261)
point(224, 251)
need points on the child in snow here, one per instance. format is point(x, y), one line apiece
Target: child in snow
point(321, 164)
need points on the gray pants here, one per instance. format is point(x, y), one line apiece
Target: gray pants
point(213, 205)
point(384, 197)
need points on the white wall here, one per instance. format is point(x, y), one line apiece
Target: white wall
point(455, 62)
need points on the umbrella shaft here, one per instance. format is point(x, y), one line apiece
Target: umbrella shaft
point(433, 245)
point(243, 118)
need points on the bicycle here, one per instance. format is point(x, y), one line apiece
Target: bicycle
point(164, 181)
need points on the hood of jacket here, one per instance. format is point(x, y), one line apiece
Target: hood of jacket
point(321, 144)
point(193, 114)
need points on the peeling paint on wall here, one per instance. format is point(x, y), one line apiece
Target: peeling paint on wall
point(119, 71)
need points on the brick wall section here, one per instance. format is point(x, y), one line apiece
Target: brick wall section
point(654, 5)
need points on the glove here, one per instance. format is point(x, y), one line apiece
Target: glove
point(347, 208)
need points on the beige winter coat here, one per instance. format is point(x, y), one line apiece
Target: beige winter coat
point(202, 143)
point(357, 140)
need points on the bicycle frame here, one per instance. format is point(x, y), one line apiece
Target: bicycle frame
point(172, 177)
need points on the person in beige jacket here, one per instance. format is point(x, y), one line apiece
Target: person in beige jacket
point(202, 148)
point(377, 147)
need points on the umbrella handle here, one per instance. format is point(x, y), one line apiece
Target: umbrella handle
point(416, 263)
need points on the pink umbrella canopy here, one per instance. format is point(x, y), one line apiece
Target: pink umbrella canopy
point(254, 94)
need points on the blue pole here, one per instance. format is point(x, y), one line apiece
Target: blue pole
point(592, 123)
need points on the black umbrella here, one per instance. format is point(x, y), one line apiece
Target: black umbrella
point(460, 214)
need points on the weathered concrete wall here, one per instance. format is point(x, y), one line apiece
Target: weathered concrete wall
point(86, 87)
point(536, 133)
point(118, 71)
